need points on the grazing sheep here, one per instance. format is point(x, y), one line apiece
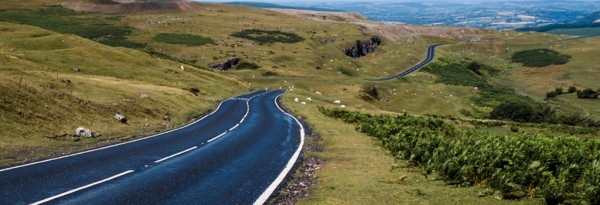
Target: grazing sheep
point(296, 100)
point(309, 99)
point(121, 118)
point(337, 102)
point(343, 106)
point(304, 103)
point(318, 93)
point(182, 68)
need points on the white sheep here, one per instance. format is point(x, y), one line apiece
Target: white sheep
point(304, 103)
point(343, 106)
point(337, 102)
point(309, 99)
point(296, 100)
point(318, 93)
point(182, 68)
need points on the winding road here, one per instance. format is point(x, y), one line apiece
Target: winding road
point(428, 59)
point(238, 154)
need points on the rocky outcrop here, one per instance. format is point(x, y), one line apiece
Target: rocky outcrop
point(225, 65)
point(84, 132)
point(363, 48)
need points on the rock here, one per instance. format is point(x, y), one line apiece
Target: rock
point(167, 117)
point(121, 118)
point(226, 65)
point(144, 95)
point(84, 132)
point(195, 90)
point(76, 69)
point(363, 48)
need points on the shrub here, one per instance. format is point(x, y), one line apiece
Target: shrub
point(268, 36)
point(185, 39)
point(516, 111)
point(558, 91)
point(195, 91)
point(540, 58)
point(369, 93)
point(247, 65)
point(551, 94)
point(270, 73)
point(560, 169)
point(346, 72)
point(587, 94)
point(572, 89)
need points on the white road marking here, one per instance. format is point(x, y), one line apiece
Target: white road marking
point(80, 188)
point(176, 154)
point(217, 137)
point(115, 145)
point(267, 193)
point(236, 125)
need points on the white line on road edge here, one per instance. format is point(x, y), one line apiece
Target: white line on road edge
point(81, 188)
point(265, 195)
point(217, 137)
point(115, 145)
point(174, 155)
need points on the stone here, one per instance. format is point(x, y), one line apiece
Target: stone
point(84, 132)
point(121, 118)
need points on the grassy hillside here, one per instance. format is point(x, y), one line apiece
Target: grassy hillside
point(44, 99)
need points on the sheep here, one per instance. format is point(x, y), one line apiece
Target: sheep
point(318, 93)
point(182, 68)
point(304, 103)
point(309, 99)
point(343, 106)
point(337, 102)
point(296, 100)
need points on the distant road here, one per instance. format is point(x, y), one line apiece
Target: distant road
point(238, 154)
point(428, 59)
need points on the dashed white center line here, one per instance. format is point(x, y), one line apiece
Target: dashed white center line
point(80, 188)
point(236, 125)
point(174, 155)
point(217, 137)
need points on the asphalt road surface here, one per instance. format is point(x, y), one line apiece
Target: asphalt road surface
point(238, 154)
point(428, 59)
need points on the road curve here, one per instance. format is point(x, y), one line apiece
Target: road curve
point(428, 59)
point(238, 154)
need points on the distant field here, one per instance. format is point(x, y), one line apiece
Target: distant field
point(595, 31)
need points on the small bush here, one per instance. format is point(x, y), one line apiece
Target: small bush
point(587, 94)
point(558, 91)
point(369, 93)
point(540, 58)
point(247, 65)
point(270, 73)
point(550, 95)
point(185, 39)
point(195, 91)
point(572, 89)
point(346, 72)
point(268, 36)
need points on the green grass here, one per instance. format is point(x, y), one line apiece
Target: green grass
point(185, 39)
point(268, 36)
point(592, 31)
point(540, 58)
point(105, 29)
point(458, 73)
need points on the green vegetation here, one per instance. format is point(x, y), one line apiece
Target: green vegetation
point(268, 36)
point(540, 58)
point(369, 93)
point(587, 94)
point(583, 31)
point(523, 112)
point(560, 169)
point(185, 39)
point(347, 72)
point(246, 65)
point(461, 73)
point(105, 29)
